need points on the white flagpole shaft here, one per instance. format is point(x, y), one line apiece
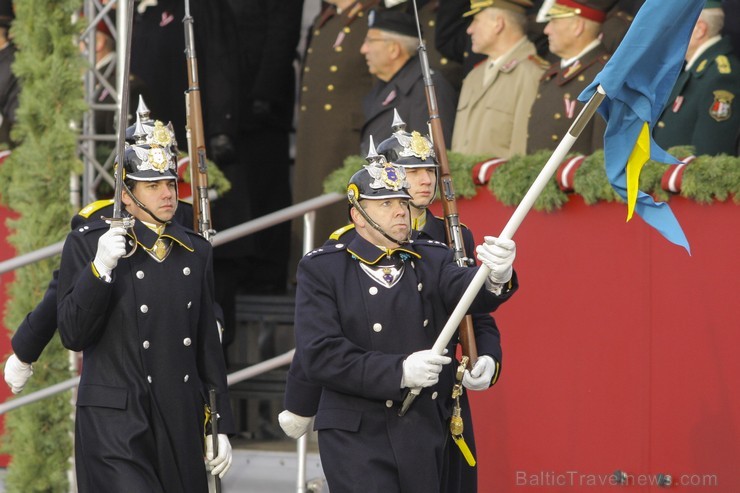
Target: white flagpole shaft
point(516, 219)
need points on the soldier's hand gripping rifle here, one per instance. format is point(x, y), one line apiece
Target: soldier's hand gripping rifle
point(196, 137)
point(449, 204)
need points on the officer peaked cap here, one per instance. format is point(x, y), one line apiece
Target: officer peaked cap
point(519, 6)
point(393, 21)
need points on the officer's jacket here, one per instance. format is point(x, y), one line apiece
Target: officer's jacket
point(151, 352)
point(406, 93)
point(556, 105)
point(492, 117)
point(352, 335)
point(702, 109)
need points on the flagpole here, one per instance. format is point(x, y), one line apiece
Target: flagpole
point(512, 225)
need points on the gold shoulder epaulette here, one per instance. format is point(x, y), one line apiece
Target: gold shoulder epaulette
point(89, 209)
point(723, 64)
point(338, 233)
point(539, 61)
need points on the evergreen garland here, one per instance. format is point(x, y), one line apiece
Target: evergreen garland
point(706, 179)
point(34, 182)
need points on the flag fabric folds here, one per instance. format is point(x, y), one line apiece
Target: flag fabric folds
point(638, 80)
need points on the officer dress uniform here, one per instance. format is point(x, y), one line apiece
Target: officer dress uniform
point(334, 79)
point(39, 326)
point(151, 351)
point(556, 105)
point(492, 115)
point(406, 93)
point(352, 335)
point(702, 109)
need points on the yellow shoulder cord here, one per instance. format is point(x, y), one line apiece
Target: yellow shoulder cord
point(456, 422)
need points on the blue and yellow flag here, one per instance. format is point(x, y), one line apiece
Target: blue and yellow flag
point(638, 80)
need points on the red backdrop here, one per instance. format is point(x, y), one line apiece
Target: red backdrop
point(618, 352)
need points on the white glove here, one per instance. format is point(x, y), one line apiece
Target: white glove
point(111, 247)
point(222, 462)
point(498, 255)
point(422, 369)
point(479, 378)
point(293, 425)
point(17, 373)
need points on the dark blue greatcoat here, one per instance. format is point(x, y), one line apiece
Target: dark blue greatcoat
point(352, 336)
point(151, 351)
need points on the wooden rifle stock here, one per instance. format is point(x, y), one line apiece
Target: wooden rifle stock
point(196, 137)
point(447, 194)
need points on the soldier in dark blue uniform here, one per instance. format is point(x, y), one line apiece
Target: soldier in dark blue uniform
point(366, 313)
point(702, 110)
point(145, 321)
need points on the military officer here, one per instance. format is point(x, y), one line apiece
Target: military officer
point(573, 30)
point(366, 314)
point(144, 320)
point(702, 110)
point(390, 49)
point(497, 95)
point(333, 81)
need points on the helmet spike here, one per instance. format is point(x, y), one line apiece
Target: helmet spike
point(372, 154)
point(142, 110)
point(398, 124)
point(139, 132)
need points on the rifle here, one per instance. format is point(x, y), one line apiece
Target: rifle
point(449, 204)
point(196, 137)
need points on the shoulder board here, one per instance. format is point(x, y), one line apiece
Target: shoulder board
point(336, 235)
point(87, 227)
point(461, 224)
point(538, 60)
point(91, 208)
point(723, 64)
point(326, 249)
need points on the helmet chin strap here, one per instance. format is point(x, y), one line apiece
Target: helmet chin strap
point(141, 206)
point(356, 204)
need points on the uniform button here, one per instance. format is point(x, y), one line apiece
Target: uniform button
point(346, 29)
point(190, 303)
point(186, 378)
point(661, 124)
point(443, 61)
point(187, 341)
point(426, 322)
point(327, 107)
point(140, 274)
point(339, 245)
point(186, 271)
point(581, 78)
point(420, 286)
point(373, 290)
point(377, 327)
point(557, 116)
point(431, 23)
point(310, 50)
point(338, 49)
point(144, 308)
point(304, 88)
point(306, 69)
point(333, 68)
point(303, 107)
point(554, 138)
point(149, 378)
point(330, 87)
point(316, 32)
point(146, 344)
point(413, 265)
point(567, 95)
point(389, 403)
point(434, 395)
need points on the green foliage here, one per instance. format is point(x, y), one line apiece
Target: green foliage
point(216, 178)
point(511, 181)
point(34, 182)
point(706, 179)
